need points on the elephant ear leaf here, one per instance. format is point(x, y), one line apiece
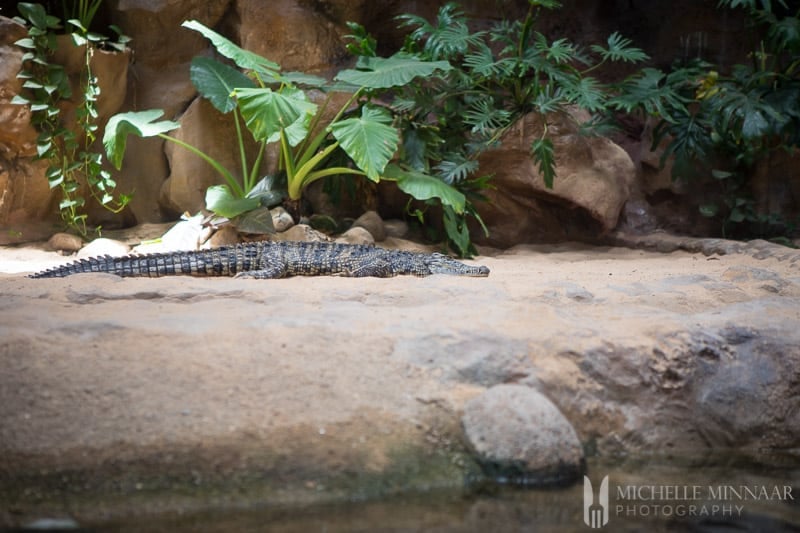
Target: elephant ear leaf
point(386, 72)
point(243, 58)
point(223, 202)
point(269, 112)
point(216, 81)
point(139, 123)
point(424, 187)
point(369, 140)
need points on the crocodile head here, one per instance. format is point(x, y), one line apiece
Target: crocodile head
point(441, 264)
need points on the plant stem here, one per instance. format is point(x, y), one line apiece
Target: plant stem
point(298, 181)
point(233, 183)
point(288, 161)
point(254, 174)
point(247, 185)
point(312, 148)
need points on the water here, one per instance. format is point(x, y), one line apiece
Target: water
point(643, 496)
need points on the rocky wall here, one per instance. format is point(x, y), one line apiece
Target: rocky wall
point(309, 36)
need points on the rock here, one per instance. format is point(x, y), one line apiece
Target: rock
point(372, 222)
point(396, 228)
point(356, 235)
point(24, 193)
point(102, 246)
point(225, 236)
point(17, 135)
point(301, 232)
point(184, 235)
point(109, 66)
point(299, 36)
point(474, 358)
point(65, 242)
point(593, 182)
point(324, 223)
point(281, 219)
point(518, 435)
point(159, 79)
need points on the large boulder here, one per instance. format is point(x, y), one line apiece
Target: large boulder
point(593, 181)
point(518, 435)
point(303, 36)
point(159, 80)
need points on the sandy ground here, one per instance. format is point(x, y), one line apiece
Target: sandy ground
point(312, 378)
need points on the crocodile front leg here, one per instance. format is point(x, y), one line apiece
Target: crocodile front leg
point(272, 271)
point(373, 267)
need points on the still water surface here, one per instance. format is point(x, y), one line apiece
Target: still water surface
point(642, 496)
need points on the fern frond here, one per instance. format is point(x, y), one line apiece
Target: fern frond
point(653, 92)
point(620, 49)
point(452, 41)
point(547, 101)
point(422, 27)
point(505, 32)
point(483, 63)
point(484, 117)
point(543, 153)
point(448, 37)
point(456, 168)
point(560, 51)
point(405, 104)
point(586, 92)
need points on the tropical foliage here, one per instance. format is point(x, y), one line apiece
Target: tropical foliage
point(68, 148)
point(496, 77)
point(720, 125)
point(275, 108)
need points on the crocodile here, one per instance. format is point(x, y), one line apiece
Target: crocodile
point(272, 260)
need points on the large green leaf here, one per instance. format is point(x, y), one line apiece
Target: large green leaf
point(423, 187)
point(139, 123)
point(223, 202)
point(258, 221)
point(395, 71)
point(543, 153)
point(267, 112)
point(369, 140)
point(244, 58)
point(216, 81)
point(301, 78)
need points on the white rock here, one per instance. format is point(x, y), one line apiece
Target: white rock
point(281, 219)
point(103, 246)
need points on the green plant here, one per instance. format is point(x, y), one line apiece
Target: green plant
point(719, 125)
point(275, 109)
point(497, 77)
point(82, 11)
point(67, 147)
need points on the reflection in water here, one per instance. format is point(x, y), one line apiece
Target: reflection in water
point(642, 496)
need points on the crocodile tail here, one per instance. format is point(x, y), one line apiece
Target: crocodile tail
point(216, 262)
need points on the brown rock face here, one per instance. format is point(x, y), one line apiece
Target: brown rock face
point(17, 136)
point(592, 184)
point(24, 192)
point(296, 35)
point(159, 80)
point(21, 197)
